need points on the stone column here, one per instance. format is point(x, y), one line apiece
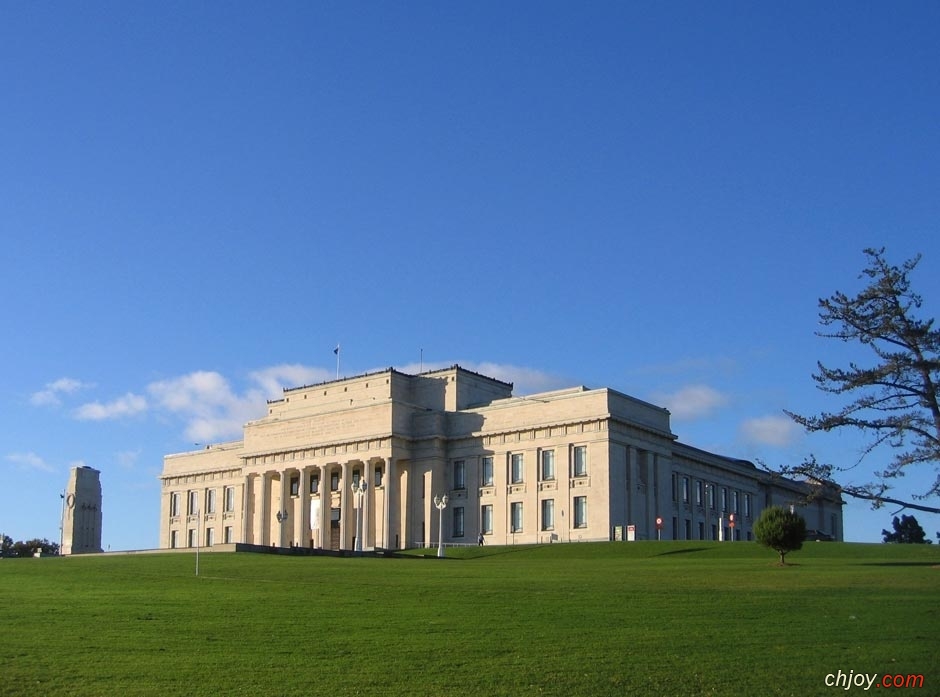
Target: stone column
point(325, 506)
point(345, 506)
point(242, 508)
point(260, 509)
point(302, 529)
point(364, 502)
point(388, 537)
point(649, 524)
point(633, 483)
point(283, 528)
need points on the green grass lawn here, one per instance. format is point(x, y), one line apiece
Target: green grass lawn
point(648, 618)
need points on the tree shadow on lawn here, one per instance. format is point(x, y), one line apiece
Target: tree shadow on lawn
point(900, 563)
point(682, 551)
point(473, 553)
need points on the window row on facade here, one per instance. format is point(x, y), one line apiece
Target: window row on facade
point(192, 537)
point(704, 494)
point(516, 467)
point(517, 517)
point(208, 505)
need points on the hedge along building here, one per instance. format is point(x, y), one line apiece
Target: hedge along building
point(569, 465)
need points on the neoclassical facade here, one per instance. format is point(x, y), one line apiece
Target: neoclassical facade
point(365, 457)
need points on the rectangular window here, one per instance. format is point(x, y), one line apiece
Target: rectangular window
point(193, 505)
point(334, 481)
point(548, 514)
point(747, 505)
point(685, 490)
point(688, 529)
point(710, 488)
point(516, 468)
point(227, 534)
point(295, 485)
point(378, 476)
point(724, 499)
point(174, 539)
point(486, 519)
point(580, 511)
point(515, 514)
point(174, 504)
point(460, 473)
point(548, 465)
point(458, 521)
point(314, 484)
point(699, 493)
point(192, 538)
point(675, 487)
point(734, 501)
point(488, 470)
point(210, 537)
point(229, 499)
point(701, 530)
point(580, 461)
point(210, 501)
point(357, 475)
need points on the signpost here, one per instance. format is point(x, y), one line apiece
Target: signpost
point(659, 528)
point(731, 520)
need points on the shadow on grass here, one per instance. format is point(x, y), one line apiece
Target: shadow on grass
point(682, 551)
point(900, 563)
point(468, 554)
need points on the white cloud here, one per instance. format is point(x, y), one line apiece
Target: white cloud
point(30, 460)
point(128, 458)
point(274, 379)
point(777, 431)
point(212, 410)
point(50, 394)
point(525, 380)
point(128, 405)
point(691, 402)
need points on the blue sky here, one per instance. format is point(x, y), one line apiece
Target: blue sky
point(198, 201)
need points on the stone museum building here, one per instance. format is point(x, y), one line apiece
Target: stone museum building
point(373, 452)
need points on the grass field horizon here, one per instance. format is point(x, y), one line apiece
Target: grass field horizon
point(656, 618)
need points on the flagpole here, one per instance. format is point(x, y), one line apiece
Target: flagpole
point(336, 351)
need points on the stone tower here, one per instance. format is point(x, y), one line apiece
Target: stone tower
point(81, 524)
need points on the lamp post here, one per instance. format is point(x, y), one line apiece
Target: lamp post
point(358, 490)
point(198, 534)
point(708, 514)
point(62, 524)
point(281, 519)
point(441, 503)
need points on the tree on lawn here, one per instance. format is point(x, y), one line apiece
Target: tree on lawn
point(896, 398)
point(781, 530)
point(906, 531)
point(28, 547)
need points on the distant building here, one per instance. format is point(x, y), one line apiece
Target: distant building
point(564, 466)
point(81, 512)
